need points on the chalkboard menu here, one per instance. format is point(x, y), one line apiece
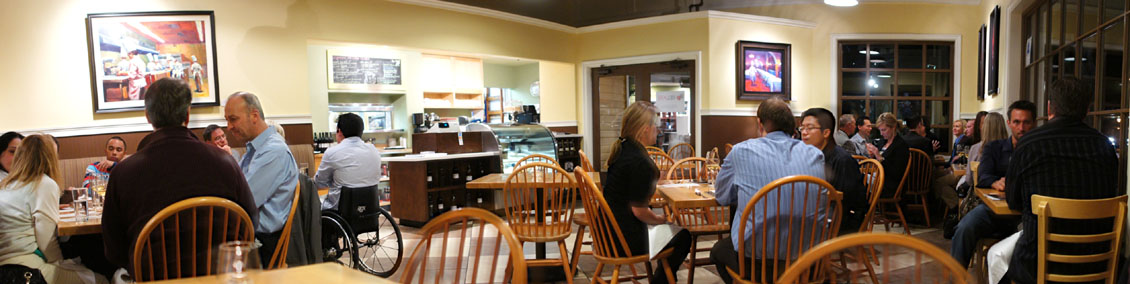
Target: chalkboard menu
point(365, 70)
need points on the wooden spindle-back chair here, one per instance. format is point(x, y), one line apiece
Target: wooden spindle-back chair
point(278, 258)
point(893, 201)
point(692, 169)
point(581, 220)
point(859, 158)
point(480, 254)
point(699, 219)
point(536, 158)
point(807, 208)
point(872, 172)
point(609, 245)
point(681, 151)
point(662, 162)
point(920, 174)
point(179, 241)
point(654, 149)
point(1078, 210)
point(539, 208)
point(929, 263)
point(712, 156)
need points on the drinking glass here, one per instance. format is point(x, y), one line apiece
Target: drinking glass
point(79, 201)
point(304, 168)
point(98, 190)
point(238, 260)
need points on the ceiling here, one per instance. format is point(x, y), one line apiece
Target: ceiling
point(580, 13)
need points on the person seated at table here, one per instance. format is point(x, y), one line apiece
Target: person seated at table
point(863, 129)
point(840, 169)
point(979, 222)
point(29, 214)
point(351, 163)
point(992, 129)
point(958, 131)
point(115, 150)
point(994, 165)
point(170, 165)
point(267, 164)
point(917, 137)
point(751, 165)
point(630, 184)
point(11, 141)
point(894, 156)
point(843, 132)
point(214, 134)
point(1064, 158)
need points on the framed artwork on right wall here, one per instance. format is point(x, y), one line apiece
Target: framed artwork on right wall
point(763, 70)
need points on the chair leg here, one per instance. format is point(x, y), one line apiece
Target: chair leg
point(691, 261)
point(565, 262)
point(615, 274)
point(596, 274)
point(577, 247)
point(902, 218)
point(866, 259)
point(926, 210)
point(670, 274)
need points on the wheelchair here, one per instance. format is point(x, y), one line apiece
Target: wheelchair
point(362, 231)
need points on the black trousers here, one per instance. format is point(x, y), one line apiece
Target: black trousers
point(681, 243)
point(92, 252)
point(724, 256)
point(269, 241)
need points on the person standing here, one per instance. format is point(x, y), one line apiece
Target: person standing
point(840, 169)
point(196, 73)
point(267, 164)
point(751, 165)
point(351, 163)
point(170, 165)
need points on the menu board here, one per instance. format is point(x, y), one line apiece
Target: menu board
point(362, 70)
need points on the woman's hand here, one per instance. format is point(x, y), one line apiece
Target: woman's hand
point(647, 216)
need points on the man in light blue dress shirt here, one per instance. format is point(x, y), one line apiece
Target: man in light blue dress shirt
point(352, 163)
point(754, 163)
point(267, 165)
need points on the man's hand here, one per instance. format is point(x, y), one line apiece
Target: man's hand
point(226, 148)
point(105, 165)
point(873, 151)
point(937, 145)
point(999, 185)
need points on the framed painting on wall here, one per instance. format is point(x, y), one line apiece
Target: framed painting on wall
point(363, 70)
point(981, 63)
point(129, 51)
point(993, 57)
point(763, 70)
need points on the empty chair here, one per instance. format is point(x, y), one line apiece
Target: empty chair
point(925, 262)
point(1075, 249)
point(278, 258)
point(693, 169)
point(580, 219)
point(609, 246)
point(806, 212)
point(179, 241)
point(920, 173)
point(469, 245)
point(681, 151)
point(535, 158)
point(539, 208)
point(662, 161)
point(699, 221)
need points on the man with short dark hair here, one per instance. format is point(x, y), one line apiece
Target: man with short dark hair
point(751, 165)
point(115, 151)
point(862, 134)
point(170, 165)
point(840, 169)
point(351, 163)
point(917, 138)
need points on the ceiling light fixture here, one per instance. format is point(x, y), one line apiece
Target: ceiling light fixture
point(842, 3)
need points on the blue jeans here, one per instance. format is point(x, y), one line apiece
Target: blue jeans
point(978, 224)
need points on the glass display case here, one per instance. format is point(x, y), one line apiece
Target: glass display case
point(516, 141)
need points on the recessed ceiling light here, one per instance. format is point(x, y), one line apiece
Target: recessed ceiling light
point(842, 3)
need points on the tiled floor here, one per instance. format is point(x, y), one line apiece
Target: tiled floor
point(902, 263)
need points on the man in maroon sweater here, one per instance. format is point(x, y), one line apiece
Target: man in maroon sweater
point(171, 165)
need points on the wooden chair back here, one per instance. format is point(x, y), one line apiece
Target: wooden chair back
point(694, 169)
point(278, 258)
point(973, 166)
point(873, 179)
point(178, 241)
point(859, 157)
point(930, 264)
point(662, 161)
point(585, 162)
point(654, 149)
point(543, 219)
point(806, 212)
point(919, 173)
point(712, 156)
point(536, 158)
point(681, 151)
point(1062, 209)
point(729, 147)
point(475, 236)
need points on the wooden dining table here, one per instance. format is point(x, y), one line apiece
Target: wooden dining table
point(315, 273)
point(998, 206)
point(68, 226)
point(684, 195)
point(498, 181)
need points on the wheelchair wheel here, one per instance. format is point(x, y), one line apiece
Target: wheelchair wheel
point(379, 252)
point(337, 241)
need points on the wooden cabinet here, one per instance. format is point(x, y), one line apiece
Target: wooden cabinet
point(422, 188)
point(451, 82)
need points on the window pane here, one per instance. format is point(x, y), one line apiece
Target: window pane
point(853, 107)
point(910, 56)
point(854, 55)
point(880, 83)
point(910, 84)
point(1031, 41)
point(1087, 60)
point(1112, 9)
point(1041, 87)
point(938, 56)
point(909, 108)
point(1055, 68)
point(854, 83)
point(1043, 30)
point(879, 107)
point(1112, 67)
point(1069, 61)
point(1057, 25)
point(938, 84)
point(1091, 14)
point(1071, 21)
point(1110, 126)
point(939, 113)
point(882, 56)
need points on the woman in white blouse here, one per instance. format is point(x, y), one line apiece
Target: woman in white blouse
point(29, 214)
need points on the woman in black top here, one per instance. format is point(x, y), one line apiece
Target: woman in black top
point(630, 183)
point(894, 156)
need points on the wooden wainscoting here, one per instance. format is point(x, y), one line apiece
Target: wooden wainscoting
point(717, 130)
point(91, 145)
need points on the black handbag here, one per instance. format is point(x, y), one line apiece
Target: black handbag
point(19, 274)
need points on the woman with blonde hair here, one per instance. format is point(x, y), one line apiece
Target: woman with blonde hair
point(894, 155)
point(992, 128)
point(29, 214)
point(630, 183)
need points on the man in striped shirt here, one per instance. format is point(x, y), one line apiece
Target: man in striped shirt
point(1064, 158)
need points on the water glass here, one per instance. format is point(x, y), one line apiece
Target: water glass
point(237, 260)
point(80, 202)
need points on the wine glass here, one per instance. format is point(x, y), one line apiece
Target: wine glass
point(238, 260)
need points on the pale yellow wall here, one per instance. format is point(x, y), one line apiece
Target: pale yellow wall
point(724, 35)
point(261, 47)
point(559, 99)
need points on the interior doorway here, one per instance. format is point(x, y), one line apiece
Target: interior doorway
point(670, 85)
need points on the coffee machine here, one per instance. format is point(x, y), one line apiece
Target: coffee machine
point(528, 115)
point(421, 122)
